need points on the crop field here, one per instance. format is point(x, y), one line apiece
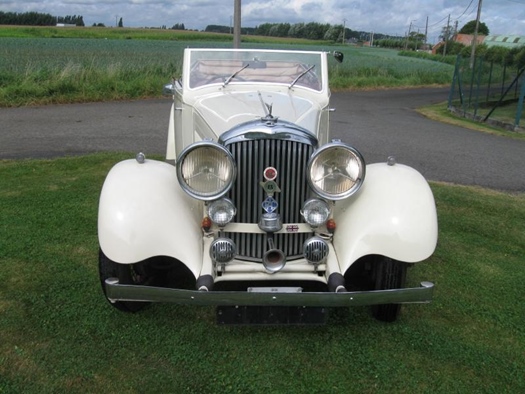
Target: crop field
point(62, 70)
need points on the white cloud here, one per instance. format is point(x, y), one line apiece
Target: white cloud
point(381, 16)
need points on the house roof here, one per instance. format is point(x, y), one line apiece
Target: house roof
point(505, 41)
point(466, 39)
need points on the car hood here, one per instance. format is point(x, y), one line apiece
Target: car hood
point(225, 110)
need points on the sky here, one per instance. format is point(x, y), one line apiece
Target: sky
point(391, 17)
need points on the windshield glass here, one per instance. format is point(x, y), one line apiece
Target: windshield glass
point(229, 66)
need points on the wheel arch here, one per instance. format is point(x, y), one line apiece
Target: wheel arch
point(144, 213)
point(393, 215)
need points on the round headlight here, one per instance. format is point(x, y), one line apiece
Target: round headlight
point(221, 212)
point(336, 171)
point(315, 212)
point(206, 170)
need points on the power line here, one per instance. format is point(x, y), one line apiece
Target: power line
point(466, 9)
point(448, 16)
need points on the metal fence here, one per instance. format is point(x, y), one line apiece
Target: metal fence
point(488, 92)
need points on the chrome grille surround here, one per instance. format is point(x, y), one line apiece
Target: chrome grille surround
point(255, 146)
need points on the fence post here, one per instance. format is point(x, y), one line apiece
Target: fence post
point(479, 63)
point(504, 94)
point(520, 106)
point(457, 77)
point(490, 80)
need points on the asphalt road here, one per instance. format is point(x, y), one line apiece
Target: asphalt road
point(378, 123)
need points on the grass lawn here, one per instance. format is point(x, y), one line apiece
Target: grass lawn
point(58, 334)
point(441, 113)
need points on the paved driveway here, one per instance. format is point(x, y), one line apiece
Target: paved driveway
point(378, 123)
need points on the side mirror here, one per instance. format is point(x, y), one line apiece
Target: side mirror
point(339, 56)
point(168, 90)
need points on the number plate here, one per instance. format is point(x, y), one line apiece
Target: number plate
point(271, 315)
point(275, 289)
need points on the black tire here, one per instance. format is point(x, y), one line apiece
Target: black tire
point(388, 274)
point(126, 274)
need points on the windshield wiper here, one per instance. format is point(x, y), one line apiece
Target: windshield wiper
point(300, 76)
point(227, 81)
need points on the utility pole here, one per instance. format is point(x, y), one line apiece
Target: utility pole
point(344, 28)
point(237, 24)
point(408, 36)
point(426, 34)
point(447, 33)
point(475, 39)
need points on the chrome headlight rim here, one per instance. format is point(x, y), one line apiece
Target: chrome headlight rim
point(358, 181)
point(206, 196)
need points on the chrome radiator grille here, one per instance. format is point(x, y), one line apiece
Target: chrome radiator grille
point(290, 158)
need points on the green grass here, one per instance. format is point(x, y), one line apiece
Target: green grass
point(55, 65)
point(138, 34)
point(374, 68)
point(58, 334)
point(441, 113)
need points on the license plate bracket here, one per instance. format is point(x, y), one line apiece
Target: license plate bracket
point(271, 315)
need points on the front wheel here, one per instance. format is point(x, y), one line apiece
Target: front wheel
point(388, 274)
point(127, 274)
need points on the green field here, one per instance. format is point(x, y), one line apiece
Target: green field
point(50, 65)
point(58, 334)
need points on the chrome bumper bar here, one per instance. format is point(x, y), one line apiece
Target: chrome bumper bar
point(118, 292)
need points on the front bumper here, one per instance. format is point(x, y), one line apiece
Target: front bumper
point(117, 292)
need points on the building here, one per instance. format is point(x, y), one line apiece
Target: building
point(504, 41)
point(494, 40)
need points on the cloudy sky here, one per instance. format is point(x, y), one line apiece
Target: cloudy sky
point(382, 16)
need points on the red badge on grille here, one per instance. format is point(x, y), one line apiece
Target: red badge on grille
point(270, 173)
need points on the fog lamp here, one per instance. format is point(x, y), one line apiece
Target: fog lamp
point(221, 212)
point(316, 212)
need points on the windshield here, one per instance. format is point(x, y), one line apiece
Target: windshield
point(230, 66)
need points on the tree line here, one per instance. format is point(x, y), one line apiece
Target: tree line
point(38, 19)
point(310, 31)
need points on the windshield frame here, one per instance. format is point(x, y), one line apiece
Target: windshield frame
point(212, 67)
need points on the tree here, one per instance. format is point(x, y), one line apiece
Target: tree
point(120, 23)
point(470, 27)
point(446, 33)
point(334, 33)
point(297, 30)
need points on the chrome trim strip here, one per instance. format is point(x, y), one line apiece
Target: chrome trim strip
point(259, 129)
point(288, 228)
point(117, 292)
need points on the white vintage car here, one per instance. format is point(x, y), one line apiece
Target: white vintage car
point(256, 210)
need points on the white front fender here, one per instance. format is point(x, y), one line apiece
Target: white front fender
point(394, 215)
point(143, 213)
